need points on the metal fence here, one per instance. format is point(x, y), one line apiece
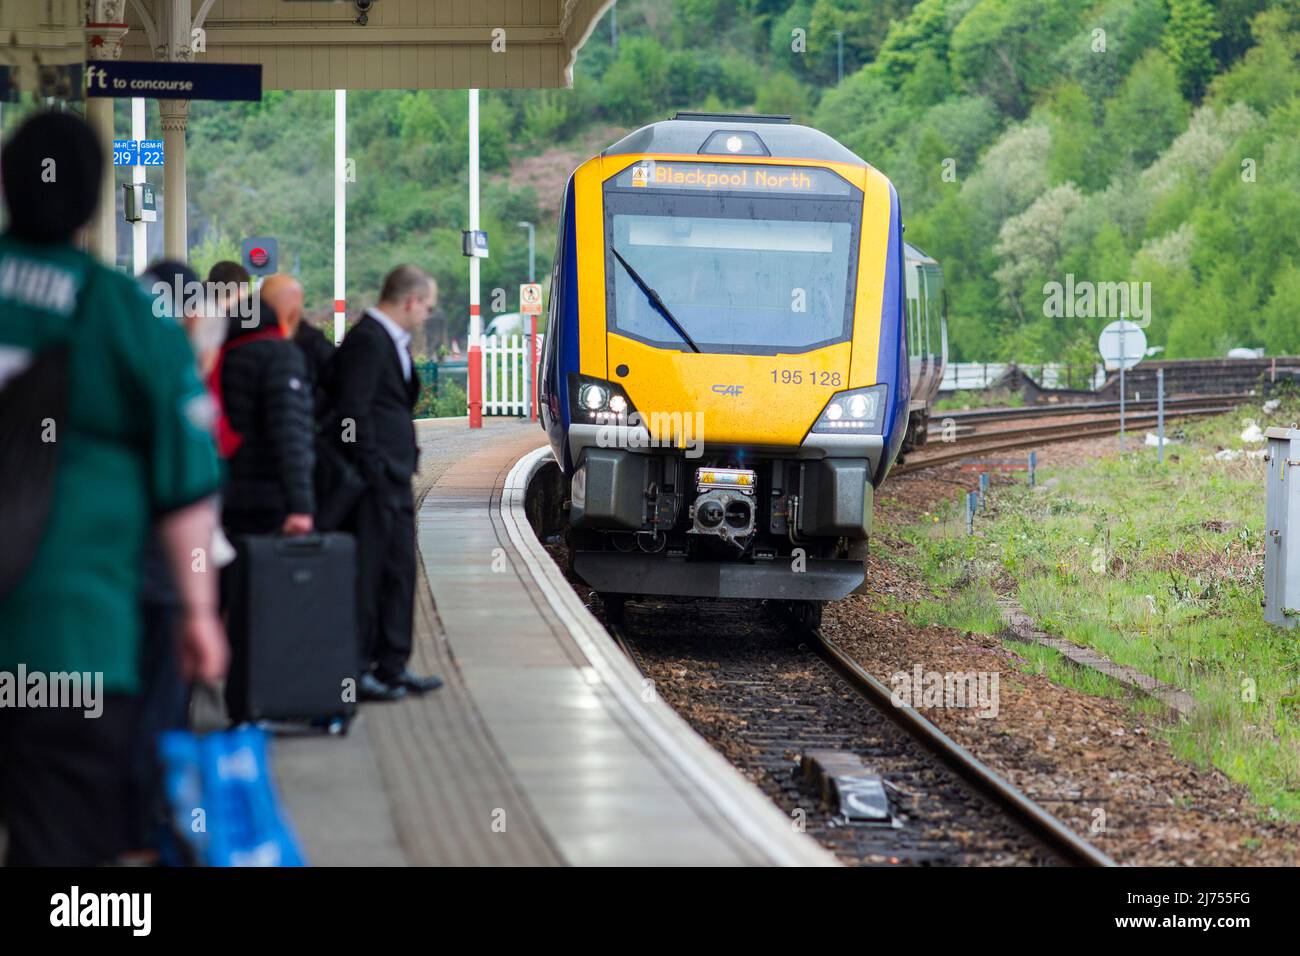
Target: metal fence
point(971, 376)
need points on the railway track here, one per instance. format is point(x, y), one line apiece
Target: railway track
point(1076, 408)
point(1043, 435)
point(768, 691)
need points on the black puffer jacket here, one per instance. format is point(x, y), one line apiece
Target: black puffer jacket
point(317, 350)
point(267, 399)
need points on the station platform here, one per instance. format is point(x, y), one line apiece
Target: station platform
point(545, 746)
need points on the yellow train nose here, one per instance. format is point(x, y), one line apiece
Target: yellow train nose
point(770, 400)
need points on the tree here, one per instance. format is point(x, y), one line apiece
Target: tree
point(1147, 113)
point(1269, 74)
point(925, 30)
point(1003, 48)
point(1031, 246)
point(1282, 314)
point(1188, 40)
point(215, 247)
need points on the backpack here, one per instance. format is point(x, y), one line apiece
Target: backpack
point(229, 440)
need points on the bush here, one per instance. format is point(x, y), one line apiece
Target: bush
point(452, 400)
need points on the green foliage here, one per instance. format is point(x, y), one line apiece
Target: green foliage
point(1003, 48)
point(1111, 176)
point(1145, 115)
point(1188, 40)
point(1027, 139)
point(215, 247)
point(1269, 74)
point(451, 401)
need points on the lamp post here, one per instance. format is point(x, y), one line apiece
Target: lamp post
point(475, 321)
point(532, 249)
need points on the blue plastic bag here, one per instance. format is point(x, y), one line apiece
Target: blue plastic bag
point(224, 810)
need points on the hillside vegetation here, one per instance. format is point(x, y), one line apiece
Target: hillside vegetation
point(1150, 141)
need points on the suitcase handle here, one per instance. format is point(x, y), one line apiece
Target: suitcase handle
point(310, 542)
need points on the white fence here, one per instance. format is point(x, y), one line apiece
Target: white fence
point(505, 378)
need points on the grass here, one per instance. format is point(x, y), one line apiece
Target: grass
point(979, 398)
point(1159, 567)
point(971, 608)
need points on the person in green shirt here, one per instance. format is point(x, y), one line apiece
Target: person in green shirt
point(133, 448)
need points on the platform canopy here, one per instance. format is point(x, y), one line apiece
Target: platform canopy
point(311, 44)
point(299, 45)
point(387, 44)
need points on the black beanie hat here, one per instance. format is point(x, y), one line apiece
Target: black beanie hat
point(51, 169)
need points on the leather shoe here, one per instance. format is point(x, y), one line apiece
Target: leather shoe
point(370, 687)
point(409, 680)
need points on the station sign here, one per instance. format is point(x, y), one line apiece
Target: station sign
point(530, 298)
point(151, 152)
point(732, 177)
point(137, 152)
point(126, 152)
point(474, 243)
point(261, 254)
point(174, 81)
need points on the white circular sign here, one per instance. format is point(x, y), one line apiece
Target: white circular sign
point(1122, 344)
point(530, 298)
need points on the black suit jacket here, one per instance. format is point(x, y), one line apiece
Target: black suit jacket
point(369, 389)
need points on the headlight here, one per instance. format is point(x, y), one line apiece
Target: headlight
point(594, 401)
point(593, 397)
point(860, 411)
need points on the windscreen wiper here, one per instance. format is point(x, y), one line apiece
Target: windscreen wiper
point(657, 302)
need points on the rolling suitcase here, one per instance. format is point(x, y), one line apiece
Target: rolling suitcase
point(293, 629)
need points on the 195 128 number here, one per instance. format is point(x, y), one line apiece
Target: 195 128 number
point(789, 376)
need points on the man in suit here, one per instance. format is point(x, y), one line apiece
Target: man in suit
point(375, 386)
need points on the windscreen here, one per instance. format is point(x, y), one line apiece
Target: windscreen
point(735, 271)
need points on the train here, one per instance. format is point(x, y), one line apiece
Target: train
point(739, 346)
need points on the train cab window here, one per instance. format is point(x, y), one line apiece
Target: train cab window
point(738, 273)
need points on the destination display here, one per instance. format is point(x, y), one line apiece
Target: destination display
point(732, 177)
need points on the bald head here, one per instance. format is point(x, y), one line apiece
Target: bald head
point(284, 295)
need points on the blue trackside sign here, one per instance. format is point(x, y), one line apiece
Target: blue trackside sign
point(174, 81)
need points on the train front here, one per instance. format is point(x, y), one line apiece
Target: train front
point(725, 382)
